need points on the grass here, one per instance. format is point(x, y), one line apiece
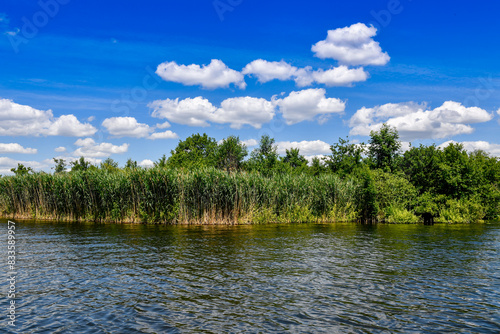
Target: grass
point(159, 195)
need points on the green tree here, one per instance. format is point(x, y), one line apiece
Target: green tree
point(265, 157)
point(346, 157)
point(21, 170)
point(295, 159)
point(384, 147)
point(131, 164)
point(196, 151)
point(162, 162)
point(367, 197)
point(487, 182)
point(455, 175)
point(231, 153)
point(109, 164)
point(80, 165)
point(421, 165)
point(60, 166)
point(317, 167)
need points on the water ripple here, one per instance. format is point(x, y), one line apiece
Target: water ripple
point(310, 278)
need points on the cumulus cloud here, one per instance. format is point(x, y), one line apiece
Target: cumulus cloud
point(164, 125)
point(126, 127)
point(60, 149)
point(307, 148)
point(211, 76)
point(163, 135)
point(16, 148)
point(22, 120)
point(305, 105)
point(70, 126)
point(250, 142)
point(471, 146)
point(416, 121)
point(352, 45)
point(337, 76)
point(239, 111)
point(89, 148)
point(129, 127)
point(270, 70)
point(199, 111)
point(192, 112)
point(146, 163)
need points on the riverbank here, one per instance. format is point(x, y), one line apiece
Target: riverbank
point(211, 196)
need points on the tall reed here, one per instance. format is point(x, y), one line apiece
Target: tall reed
point(159, 195)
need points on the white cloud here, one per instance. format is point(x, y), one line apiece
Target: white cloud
point(192, 112)
point(146, 163)
point(7, 163)
point(250, 142)
point(306, 148)
point(126, 127)
point(70, 126)
point(69, 160)
point(405, 146)
point(340, 76)
point(239, 111)
point(22, 120)
point(89, 148)
point(352, 45)
point(269, 70)
point(307, 104)
point(129, 127)
point(16, 148)
point(415, 121)
point(471, 146)
point(91, 118)
point(164, 125)
point(337, 76)
point(60, 149)
point(211, 76)
point(310, 158)
point(199, 111)
point(455, 112)
point(164, 135)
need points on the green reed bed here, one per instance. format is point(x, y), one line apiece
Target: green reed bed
point(159, 195)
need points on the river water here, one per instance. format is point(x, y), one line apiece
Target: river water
point(303, 278)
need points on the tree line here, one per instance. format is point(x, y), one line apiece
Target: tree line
point(424, 183)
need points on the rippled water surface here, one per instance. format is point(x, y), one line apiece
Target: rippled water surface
point(347, 278)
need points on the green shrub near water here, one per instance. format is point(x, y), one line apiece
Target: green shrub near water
point(396, 198)
point(162, 195)
point(461, 211)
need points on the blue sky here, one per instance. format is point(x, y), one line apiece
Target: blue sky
point(131, 79)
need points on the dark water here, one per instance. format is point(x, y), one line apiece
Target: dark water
point(88, 278)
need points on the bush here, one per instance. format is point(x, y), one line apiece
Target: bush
point(461, 211)
point(395, 214)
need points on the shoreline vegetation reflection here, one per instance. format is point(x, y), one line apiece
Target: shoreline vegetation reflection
point(205, 182)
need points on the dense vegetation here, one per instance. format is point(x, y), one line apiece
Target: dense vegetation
point(208, 182)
